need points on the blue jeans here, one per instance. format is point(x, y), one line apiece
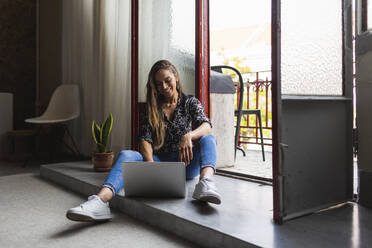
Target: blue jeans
point(204, 155)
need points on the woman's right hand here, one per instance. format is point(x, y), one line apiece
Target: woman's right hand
point(185, 149)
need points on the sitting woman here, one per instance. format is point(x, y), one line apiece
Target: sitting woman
point(166, 135)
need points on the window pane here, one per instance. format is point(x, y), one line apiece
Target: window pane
point(369, 14)
point(167, 31)
point(311, 54)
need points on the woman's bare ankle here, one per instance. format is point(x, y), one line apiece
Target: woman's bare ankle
point(105, 194)
point(206, 172)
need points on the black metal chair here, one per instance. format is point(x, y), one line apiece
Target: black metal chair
point(240, 112)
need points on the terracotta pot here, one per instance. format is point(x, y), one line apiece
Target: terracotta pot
point(102, 161)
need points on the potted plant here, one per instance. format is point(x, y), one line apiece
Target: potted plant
point(102, 159)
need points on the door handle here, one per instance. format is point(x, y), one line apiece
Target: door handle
point(282, 145)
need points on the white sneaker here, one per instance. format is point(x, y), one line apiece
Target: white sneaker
point(206, 191)
point(92, 210)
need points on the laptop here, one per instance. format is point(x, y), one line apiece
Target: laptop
point(154, 179)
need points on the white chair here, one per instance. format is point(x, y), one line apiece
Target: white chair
point(64, 106)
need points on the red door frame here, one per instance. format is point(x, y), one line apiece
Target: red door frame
point(134, 74)
point(202, 71)
point(202, 58)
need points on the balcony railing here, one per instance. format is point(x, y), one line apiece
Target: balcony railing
point(257, 95)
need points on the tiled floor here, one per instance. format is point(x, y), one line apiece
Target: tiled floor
point(252, 164)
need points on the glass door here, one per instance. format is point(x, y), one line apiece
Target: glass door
point(312, 74)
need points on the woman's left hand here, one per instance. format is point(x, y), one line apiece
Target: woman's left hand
point(185, 149)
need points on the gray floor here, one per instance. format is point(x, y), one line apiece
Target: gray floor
point(13, 168)
point(33, 215)
point(245, 214)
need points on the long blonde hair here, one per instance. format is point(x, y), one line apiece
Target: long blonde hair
point(154, 100)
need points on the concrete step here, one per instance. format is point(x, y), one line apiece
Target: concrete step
point(240, 221)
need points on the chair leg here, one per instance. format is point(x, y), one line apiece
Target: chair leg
point(35, 147)
point(241, 149)
point(56, 139)
point(236, 141)
point(262, 141)
point(53, 136)
point(76, 149)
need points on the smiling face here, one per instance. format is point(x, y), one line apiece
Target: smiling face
point(166, 83)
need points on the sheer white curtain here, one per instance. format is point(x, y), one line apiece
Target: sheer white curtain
point(96, 56)
point(167, 31)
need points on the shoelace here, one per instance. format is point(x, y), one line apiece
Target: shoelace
point(90, 198)
point(209, 183)
point(207, 179)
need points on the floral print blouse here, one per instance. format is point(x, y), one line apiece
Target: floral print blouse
point(188, 115)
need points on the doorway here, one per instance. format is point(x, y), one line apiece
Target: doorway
point(240, 37)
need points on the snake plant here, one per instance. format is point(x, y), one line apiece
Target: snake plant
point(101, 133)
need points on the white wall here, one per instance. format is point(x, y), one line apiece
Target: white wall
point(223, 127)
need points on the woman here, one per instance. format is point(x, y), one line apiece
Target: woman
point(166, 135)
